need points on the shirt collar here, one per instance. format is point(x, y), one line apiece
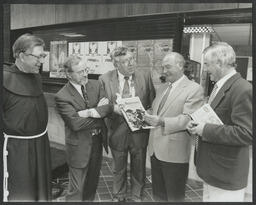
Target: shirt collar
point(76, 86)
point(174, 84)
point(221, 82)
point(121, 76)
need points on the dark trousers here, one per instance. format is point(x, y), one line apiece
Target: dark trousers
point(168, 180)
point(137, 172)
point(83, 182)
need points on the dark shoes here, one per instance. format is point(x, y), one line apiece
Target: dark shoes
point(115, 199)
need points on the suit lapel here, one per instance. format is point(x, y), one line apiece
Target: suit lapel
point(138, 85)
point(174, 94)
point(221, 94)
point(159, 97)
point(114, 84)
point(77, 97)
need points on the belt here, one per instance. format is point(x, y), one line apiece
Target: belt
point(5, 154)
point(95, 132)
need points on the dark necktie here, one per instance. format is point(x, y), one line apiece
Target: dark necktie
point(83, 89)
point(213, 94)
point(163, 101)
point(126, 89)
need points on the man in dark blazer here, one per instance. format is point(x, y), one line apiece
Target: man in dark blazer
point(127, 81)
point(82, 105)
point(223, 151)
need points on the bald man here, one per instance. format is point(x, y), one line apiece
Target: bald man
point(169, 143)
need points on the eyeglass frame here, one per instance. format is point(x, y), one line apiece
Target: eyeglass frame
point(37, 57)
point(87, 69)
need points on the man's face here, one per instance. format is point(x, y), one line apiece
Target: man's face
point(171, 70)
point(33, 58)
point(125, 64)
point(213, 69)
point(79, 74)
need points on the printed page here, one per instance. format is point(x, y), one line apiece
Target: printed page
point(207, 115)
point(133, 112)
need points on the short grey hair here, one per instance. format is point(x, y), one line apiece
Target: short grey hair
point(119, 51)
point(71, 61)
point(179, 59)
point(25, 42)
point(221, 52)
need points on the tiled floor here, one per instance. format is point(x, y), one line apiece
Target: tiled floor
point(193, 193)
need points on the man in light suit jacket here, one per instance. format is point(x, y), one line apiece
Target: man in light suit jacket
point(169, 143)
point(82, 105)
point(223, 151)
point(127, 81)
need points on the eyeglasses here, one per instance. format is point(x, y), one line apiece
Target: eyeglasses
point(40, 57)
point(80, 72)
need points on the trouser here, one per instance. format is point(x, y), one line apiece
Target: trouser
point(215, 194)
point(168, 180)
point(83, 182)
point(137, 172)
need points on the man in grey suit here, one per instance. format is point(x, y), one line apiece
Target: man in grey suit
point(82, 105)
point(169, 143)
point(223, 150)
point(127, 81)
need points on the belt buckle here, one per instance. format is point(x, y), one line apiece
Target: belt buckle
point(95, 132)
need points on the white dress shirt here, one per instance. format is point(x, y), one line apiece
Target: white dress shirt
point(224, 79)
point(121, 83)
point(92, 111)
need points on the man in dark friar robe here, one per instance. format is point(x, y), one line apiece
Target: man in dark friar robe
point(27, 167)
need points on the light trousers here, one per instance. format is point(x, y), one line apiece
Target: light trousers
point(215, 194)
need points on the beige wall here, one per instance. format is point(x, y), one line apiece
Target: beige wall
point(30, 15)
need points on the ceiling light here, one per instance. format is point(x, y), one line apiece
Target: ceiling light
point(72, 34)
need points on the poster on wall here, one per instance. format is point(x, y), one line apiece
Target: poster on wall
point(46, 62)
point(145, 53)
point(148, 54)
point(76, 48)
point(58, 53)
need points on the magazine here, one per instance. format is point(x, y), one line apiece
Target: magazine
point(133, 112)
point(206, 114)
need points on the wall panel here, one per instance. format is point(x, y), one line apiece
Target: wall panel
point(29, 15)
point(84, 12)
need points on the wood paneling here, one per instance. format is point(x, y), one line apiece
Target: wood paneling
point(6, 32)
point(29, 15)
point(84, 12)
point(151, 8)
point(243, 5)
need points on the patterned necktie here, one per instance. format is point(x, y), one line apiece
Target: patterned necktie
point(126, 89)
point(213, 94)
point(83, 89)
point(163, 101)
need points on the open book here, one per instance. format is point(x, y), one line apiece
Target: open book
point(133, 112)
point(207, 115)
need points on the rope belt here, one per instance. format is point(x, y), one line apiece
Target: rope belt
point(5, 154)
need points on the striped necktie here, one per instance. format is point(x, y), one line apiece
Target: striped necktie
point(164, 98)
point(213, 94)
point(126, 89)
point(83, 89)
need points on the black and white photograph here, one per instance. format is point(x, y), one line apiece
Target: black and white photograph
point(66, 68)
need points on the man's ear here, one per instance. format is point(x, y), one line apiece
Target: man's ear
point(21, 56)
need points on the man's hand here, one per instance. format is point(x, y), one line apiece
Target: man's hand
point(117, 109)
point(153, 120)
point(195, 128)
point(103, 101)
point(84, 113)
